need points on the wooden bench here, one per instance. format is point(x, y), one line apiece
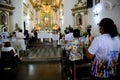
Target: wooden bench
point(7, 60)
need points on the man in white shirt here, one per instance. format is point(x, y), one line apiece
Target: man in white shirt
point(4, 35)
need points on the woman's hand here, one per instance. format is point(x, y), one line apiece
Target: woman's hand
point(88, 55)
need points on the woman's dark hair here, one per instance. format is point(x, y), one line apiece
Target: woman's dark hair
point(76, 33)
point(5, 29)
point(20, 30)
point(70, 29)
point(13, 32)
point(7, 44)
point(109, 26)
point(89, 31)
point(66, 30)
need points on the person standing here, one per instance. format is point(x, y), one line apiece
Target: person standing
point(68, 37)
point(75, 49)
point(36, 35)
point(13, 40)
point(26, 38)
point(4, 35)
point(20, 40)
point(104, 51)
point(7, 47)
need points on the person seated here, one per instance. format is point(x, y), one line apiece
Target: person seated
point(7, 47)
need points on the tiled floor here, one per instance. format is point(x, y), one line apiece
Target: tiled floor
point(43, 51)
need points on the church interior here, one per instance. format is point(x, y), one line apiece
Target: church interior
point(48, 22)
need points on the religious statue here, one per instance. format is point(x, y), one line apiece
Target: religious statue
point(3, 18)
point(46, 22)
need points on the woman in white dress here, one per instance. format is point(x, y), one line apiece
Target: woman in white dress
point(13, 40)
point(20, 40)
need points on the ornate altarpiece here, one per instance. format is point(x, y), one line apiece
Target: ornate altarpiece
point(79, 12)
point(5, 13)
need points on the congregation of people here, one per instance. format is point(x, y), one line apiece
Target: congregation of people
point(18, 39)
point(14, 46)
point(102, 51)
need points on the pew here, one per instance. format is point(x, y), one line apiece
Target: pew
point(7, 60)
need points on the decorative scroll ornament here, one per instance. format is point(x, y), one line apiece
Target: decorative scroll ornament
point(108, 5)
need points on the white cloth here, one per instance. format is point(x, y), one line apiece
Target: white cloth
point(20, 35)
point(106, 50)
point(55, 37)
point(8, 49)
point(68, 37)
point(103, 45)
point(20, 40)
point(43, 35)
point(14, 42)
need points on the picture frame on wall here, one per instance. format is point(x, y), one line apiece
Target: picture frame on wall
point(97, 1)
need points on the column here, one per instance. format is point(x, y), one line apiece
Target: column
point(76, 19)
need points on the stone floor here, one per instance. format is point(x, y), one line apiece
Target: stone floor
point(42, 63)
point(43, 51)
point(34, 71)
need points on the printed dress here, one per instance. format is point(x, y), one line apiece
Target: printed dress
point(106, 52)
point(105, 67)
point(75, 48)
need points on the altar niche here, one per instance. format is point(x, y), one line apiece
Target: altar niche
point(3, 18)
point(79, 12)
point(45, 22)
point(79, 19)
